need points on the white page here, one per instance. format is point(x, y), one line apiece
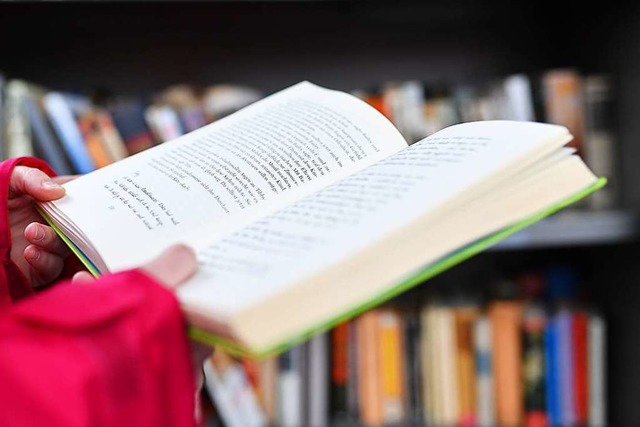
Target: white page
point(324, 228)
point(217, 179)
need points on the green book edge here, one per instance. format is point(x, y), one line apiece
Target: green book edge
point(426, 273)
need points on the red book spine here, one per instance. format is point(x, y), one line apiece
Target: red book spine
point(580, 382)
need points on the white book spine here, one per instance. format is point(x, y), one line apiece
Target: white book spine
point(485, 410)
point(597, 371)
point(318, 381)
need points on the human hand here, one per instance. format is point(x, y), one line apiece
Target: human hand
point(36, 249)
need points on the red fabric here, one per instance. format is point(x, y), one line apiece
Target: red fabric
point(110, 353)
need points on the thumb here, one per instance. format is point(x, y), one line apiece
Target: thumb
point(175, 265)
point(35, 183)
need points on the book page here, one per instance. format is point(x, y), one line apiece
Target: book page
point(213, 181)
point(326, 227)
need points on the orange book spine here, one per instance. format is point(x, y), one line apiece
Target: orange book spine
point(391, 366)
point(368, 370)
point(464, 321)
point(505, 323)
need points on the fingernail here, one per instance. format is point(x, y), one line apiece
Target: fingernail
point(50, 185)
point(39, 235)
point(35, 254)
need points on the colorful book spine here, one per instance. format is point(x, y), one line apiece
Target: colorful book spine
point(580, 371)
point(318, 385)
point(485, 408)
point(505, 319)
point(552, 380)
point(44, 138)
point(64, 123)
point(391, 349)
point(368, 367)
point(597, 360)
point(464, 320)
point(533, 366)
point(565, 367)
point(339, 371)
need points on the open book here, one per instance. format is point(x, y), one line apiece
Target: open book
point(308, 207)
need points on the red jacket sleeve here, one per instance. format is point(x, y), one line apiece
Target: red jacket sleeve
point(110, 353)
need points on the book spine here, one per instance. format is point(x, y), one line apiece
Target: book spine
point(464, 321)
point(44, 138)
point(413, 372)
point(391, 357)
point(353, 399)
point(339, 371)
point(18, 131)
point(368, 366)
point(533, 367)
point(580, 374)
point(566, 368)
point(505, 326)
point(551, 374)
point(318, 368)
point(268, 388)
point(64, 123)
point(449, 409)
point(485, 410)
point(597, 359)
point(289, 389)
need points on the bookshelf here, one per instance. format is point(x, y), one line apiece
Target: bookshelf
point(140, 47)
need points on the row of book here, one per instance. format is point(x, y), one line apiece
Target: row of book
point(78, 133)
point(584, 103)
point(535, 357)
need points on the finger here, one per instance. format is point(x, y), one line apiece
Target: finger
point(45, 265)
point(45, 238)
point(82, 278)
point(64, 179)
point(173, 266)
point(35, 183)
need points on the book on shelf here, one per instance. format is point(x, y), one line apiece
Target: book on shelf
point(308, 207)
point(460, 340)
point(62, 112)
point(17, 130)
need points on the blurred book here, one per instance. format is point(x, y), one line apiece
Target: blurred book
point(64, 121)
point(128, 115)
point(563, 91)
point(231, 391)
point(46, 144)
point(164, 122)
point(17, 137)
point(220, 100)
point(600, 142)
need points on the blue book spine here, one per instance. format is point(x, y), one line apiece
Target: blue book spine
point(551, 375)
point(45, 140)
point(65, 126)
point(566, 368)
